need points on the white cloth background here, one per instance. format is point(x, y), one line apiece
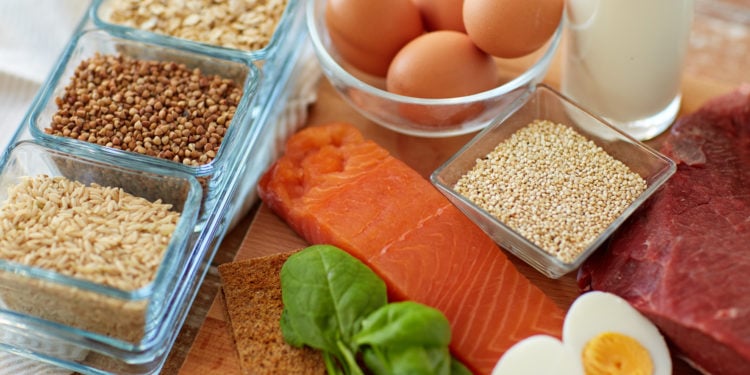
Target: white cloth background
point(33, 33)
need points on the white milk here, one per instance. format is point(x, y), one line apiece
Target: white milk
point(623, 60)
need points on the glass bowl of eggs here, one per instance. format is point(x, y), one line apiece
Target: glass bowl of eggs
point(433, 69)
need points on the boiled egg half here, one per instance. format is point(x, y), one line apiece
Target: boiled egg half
point(602, 334)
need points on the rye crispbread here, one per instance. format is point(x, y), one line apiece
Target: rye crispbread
point(252, 299)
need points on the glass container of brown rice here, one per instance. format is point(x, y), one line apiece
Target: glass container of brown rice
point(93, 248)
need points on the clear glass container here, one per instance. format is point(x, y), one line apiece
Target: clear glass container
point(545, 103)
point(425, 117)
point(624, 60)
point(87, 44)
point(101, 10)
point(224, 190)
point(129, 320)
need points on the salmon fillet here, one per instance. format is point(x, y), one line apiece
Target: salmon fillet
point(334, 187)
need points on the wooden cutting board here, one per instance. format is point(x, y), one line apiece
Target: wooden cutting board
point(213, 351)
point(717, 56)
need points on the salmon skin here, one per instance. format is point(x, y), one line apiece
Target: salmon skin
point(334, 187)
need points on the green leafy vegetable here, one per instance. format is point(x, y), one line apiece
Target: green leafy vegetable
point(326, 293)
point(405, 323)
point(335, 303)
point(408, 360)
point(406, 338)
point(458, 368)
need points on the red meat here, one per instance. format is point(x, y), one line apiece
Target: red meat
point(684, 260)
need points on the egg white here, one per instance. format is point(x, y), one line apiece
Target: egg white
point(597, 312)
point(539, 354)
point(591, 314)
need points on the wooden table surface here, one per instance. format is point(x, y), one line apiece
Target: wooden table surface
point(717, 63)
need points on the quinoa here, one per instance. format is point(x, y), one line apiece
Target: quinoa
point(100, 234)
point(553, 186)
point(156, 108)
point(239, 24)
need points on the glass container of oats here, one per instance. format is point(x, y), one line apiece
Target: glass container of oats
point(255, 29)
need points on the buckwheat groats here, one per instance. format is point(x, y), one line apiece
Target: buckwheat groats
point(156, 108)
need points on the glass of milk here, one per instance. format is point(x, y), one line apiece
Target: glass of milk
point(623, 60)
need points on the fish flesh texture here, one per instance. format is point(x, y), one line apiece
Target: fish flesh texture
point(334, 187)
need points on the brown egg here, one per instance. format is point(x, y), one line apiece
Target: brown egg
point(441, 64)
point(438, 117)
point(511, 28)
point(369, 33)
point(442, 14)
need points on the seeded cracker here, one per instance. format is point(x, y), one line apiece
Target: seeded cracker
point(553, 186)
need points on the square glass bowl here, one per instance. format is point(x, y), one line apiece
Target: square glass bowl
point(544, 103)
point(101, 11)
point(128, 319)
point(88, 44)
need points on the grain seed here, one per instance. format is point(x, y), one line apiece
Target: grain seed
point(100, 234)
point(239, 24)
point(553, 186)
point(153, 99)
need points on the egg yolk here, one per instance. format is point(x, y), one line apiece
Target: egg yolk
point(613, 353)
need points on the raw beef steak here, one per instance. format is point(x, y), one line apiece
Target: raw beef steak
point(684, 260)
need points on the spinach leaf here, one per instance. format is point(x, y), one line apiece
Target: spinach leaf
point(335, 303)
point(287, 330)
point(408, 360)
point(458, 368)
point(326, 293)
point(405, 324)
point(406, 338)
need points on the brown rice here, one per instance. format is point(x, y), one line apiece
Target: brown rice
point(101, 234)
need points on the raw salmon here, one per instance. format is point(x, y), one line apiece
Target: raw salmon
point(334, 187)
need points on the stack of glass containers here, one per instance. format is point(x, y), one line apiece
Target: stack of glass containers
point(92, 328)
